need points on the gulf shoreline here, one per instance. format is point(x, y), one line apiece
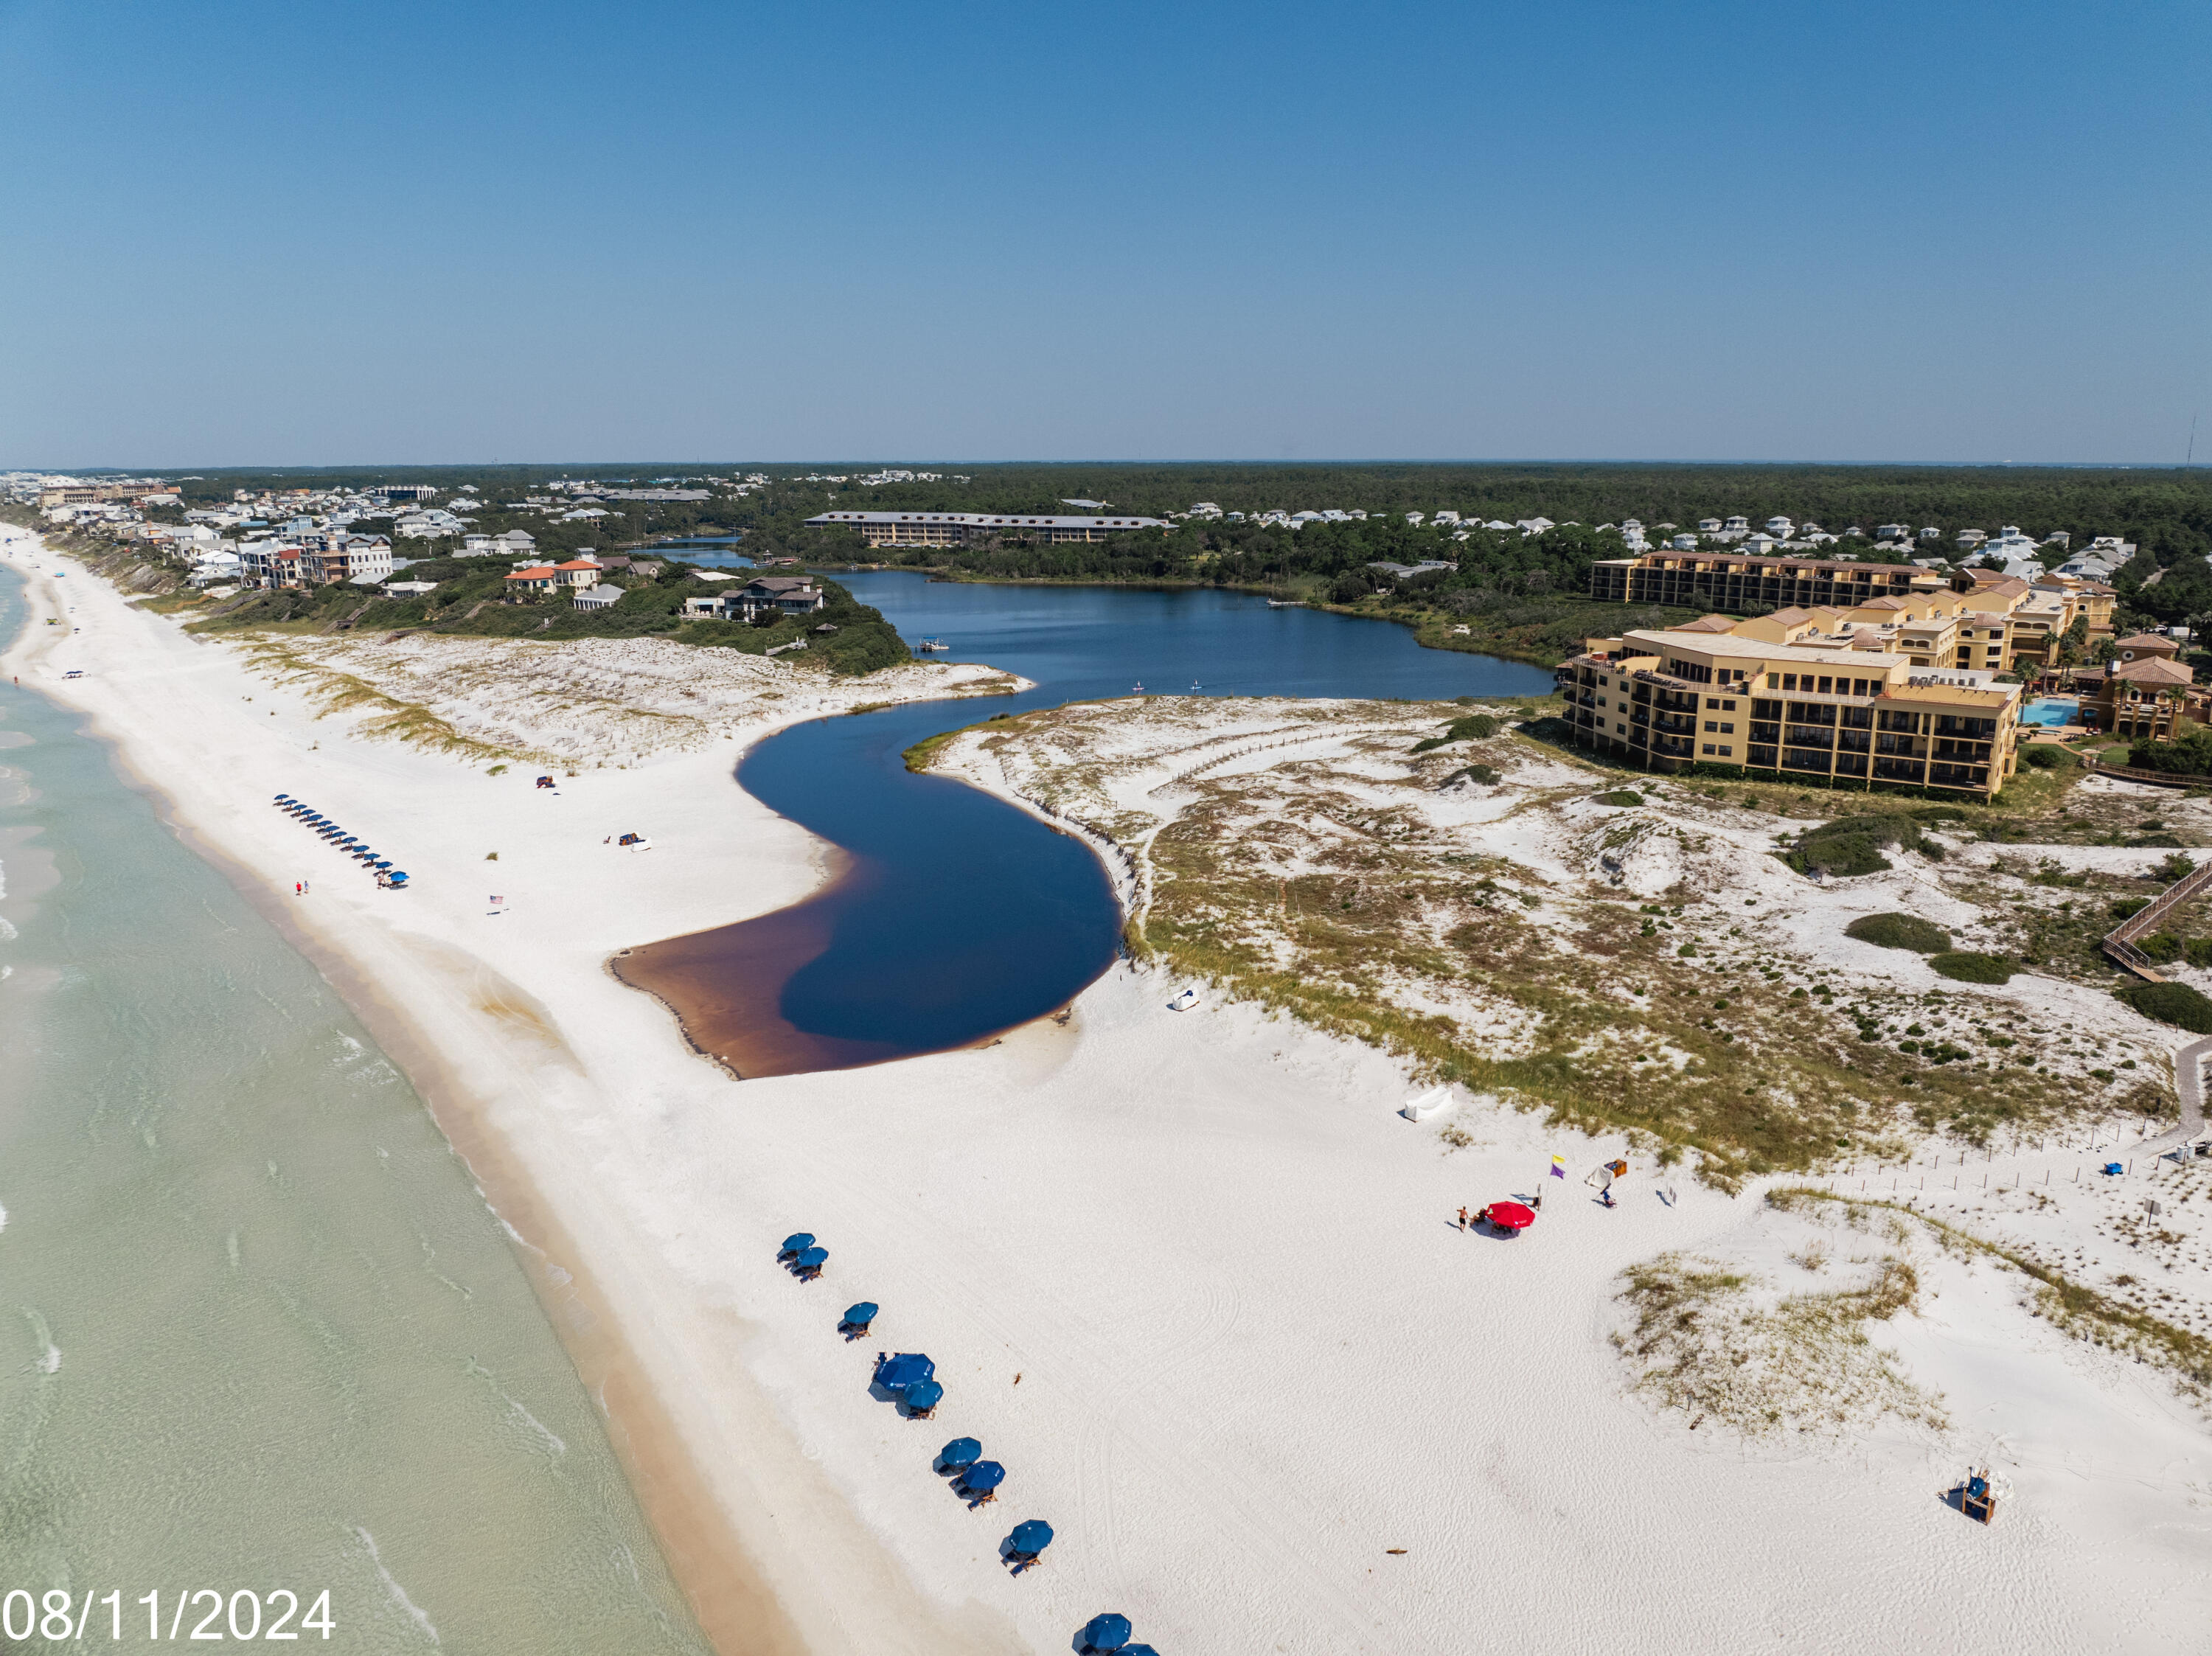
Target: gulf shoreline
point(738, 1606)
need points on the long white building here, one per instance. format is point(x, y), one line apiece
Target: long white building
point(957, 528)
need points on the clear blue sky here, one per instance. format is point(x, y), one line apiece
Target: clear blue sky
point(302, 233)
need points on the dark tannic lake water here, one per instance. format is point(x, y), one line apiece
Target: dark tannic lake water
point(959, 916)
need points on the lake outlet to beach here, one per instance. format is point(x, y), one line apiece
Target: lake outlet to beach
point(953, 916)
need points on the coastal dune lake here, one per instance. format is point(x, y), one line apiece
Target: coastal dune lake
point(260, 1332)
point(955, 916)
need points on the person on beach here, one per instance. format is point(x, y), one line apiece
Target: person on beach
point(1463, 1218)
point(1606, 1193)
point(299, 891)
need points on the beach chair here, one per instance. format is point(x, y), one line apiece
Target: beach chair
point(1977, 1500)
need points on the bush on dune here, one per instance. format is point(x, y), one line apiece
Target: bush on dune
point(1900, 932)
point(1853, 845)
point(2176, 1003)
point(1967, 967)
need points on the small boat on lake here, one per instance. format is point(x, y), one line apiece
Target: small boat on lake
point(929, 644)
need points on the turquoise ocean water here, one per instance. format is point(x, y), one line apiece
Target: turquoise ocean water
point(258, 1332)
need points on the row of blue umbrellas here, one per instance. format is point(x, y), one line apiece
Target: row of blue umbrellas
point(911, 1377)
point(299, 810)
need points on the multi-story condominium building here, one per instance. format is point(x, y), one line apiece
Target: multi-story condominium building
point(959, 528)
point(1847, 709)
point(1981, 620)
point(1738, 581)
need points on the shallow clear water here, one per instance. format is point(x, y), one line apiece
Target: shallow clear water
point(257, 1329)
point(959, 915)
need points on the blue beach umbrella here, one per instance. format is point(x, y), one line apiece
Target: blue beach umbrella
point(1033, 1536)
point(924, 1395)
point(796, 1241)
point(1109, 1632)
point(959, 1455)
point(283, 798)
point(381, 863)
point(1136, 1650)
point(813, 1259)
point(860, 1315)
point(983, 1475)
point(904, 1370)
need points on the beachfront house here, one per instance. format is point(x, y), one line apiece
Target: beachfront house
point(537, 577)
point(514, 544)
point(790, 595)
point(598, 597)
point(581, 573)
point(361, 558)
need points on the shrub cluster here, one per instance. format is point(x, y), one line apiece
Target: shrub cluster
point(1620, 797)
point(1968, 967)
point(1476, 727)
point(1854, 845)
point(1482, 775)
point(2046, 757)
point(2171, 1003)
point(2164, 949)
point(1900, 932)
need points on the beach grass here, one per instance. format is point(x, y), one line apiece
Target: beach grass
point(2089, 1315)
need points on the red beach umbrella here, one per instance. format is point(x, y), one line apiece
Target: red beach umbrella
point(1510, 1215)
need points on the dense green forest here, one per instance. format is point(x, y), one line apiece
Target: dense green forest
point(2167, 512)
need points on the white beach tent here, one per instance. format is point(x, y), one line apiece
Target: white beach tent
point(1437, 1100)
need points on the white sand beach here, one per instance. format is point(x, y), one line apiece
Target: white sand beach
point(1189, 1276)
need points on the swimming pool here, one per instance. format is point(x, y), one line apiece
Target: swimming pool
point(2052, 710)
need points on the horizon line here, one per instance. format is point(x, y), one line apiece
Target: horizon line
point(371, 465)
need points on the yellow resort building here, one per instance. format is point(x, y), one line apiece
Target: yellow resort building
point(1780, 696)
point(1981, 620)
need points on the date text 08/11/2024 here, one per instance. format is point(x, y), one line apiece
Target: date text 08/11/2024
point(56, 1617)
